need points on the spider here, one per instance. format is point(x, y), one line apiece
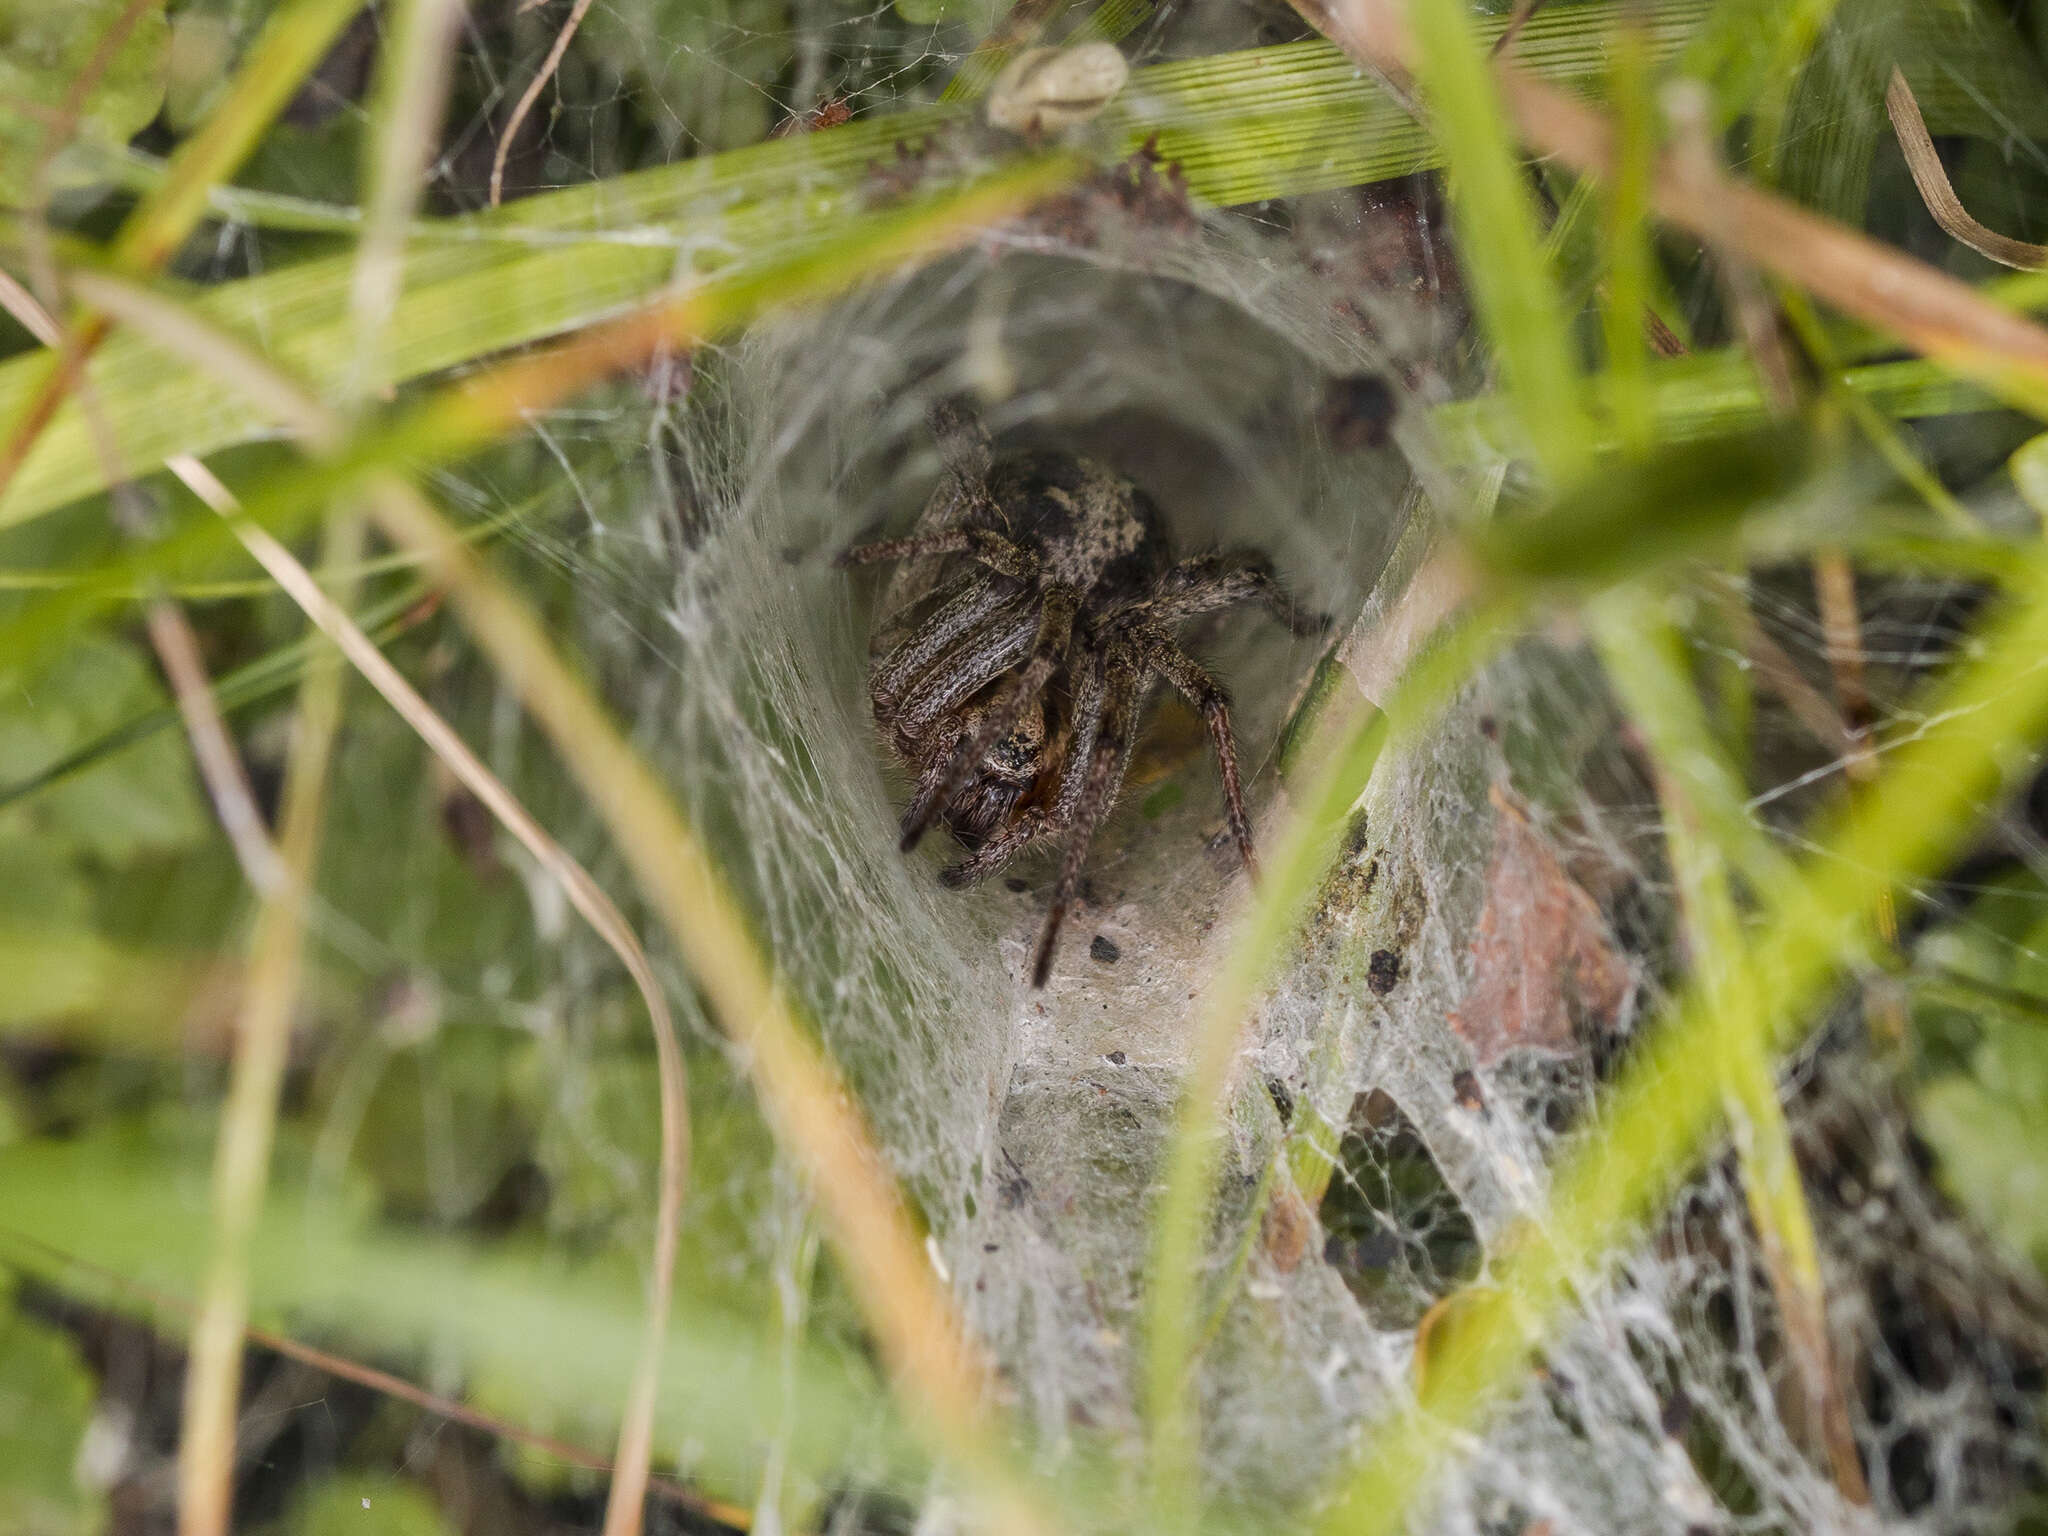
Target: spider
point(1016, 696)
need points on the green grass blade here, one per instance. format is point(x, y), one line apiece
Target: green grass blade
point(286, 51)
point(457, 420)
point(1714, 394)
point(131, 1203)
point(1625, 232)
point(1262, 123)
point(1342, 763)
point(410, 99)
point(284, 54)
point(1645, 657)
point(1492, 209)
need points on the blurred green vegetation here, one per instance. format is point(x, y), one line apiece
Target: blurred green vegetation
point(44, 51)
point(465, 1175)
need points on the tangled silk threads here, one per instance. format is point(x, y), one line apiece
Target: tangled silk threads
point(1266, 389)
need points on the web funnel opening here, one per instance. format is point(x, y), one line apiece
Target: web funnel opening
point(1029, 1125)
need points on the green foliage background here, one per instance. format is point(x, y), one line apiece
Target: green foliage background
point(454, 1058)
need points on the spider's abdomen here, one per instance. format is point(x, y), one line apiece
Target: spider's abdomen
point(1091, 527)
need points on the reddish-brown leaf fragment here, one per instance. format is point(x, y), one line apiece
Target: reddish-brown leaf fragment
point(1541, 954)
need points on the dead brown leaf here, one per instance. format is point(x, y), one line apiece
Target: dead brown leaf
point(1542, 955)
point(1286, 1228)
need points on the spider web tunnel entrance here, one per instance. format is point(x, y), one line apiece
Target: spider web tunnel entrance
point(802, 440)
point(1029, 1125)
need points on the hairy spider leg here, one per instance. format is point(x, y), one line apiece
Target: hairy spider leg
point(962, 439)
point(1157, 650)
point(982, 544)
point(959, 499)
point(1204, 583)
point(915, 655)
point(1048, 650)
point(923, 794)
point(983, 656)
point(1109, 754)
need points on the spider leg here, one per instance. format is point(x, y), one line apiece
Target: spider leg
point(985, 655)
point(993, 855)
point(958, 499)
point(1048, 650)
point(920, 650)
point(1088, 710)
point(1155, 648)
point(1205, 583)
point(981, 544)
point(929, 778)
point(962, 439)
point(1094, 791)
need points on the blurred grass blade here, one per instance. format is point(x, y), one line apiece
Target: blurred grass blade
point(1646, 660)
point(458, 419)
point(292, 42)
point(1934, 787)
point(1711, 394)
point(248, 1115)
point(1691, 499)
point(1264, 122)
point(1708, 828)
point(128, 1199)
point(141, 173)
point(934, 1364)
point(248, 684)
point(286, 51)
point(629, 1481)
point(80, 1275)
point(1491, 209)
point(1878, 428)
point(1794, 29)
point(1625, 237)
point(406, 108)
point(2028, 467)
point(176, 328)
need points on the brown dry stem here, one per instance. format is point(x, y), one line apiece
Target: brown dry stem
point(530, 95)
point(1937, 315)
point(589, 899)
point(1939, 194)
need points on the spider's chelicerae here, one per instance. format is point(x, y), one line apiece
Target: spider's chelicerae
point(1016, 696)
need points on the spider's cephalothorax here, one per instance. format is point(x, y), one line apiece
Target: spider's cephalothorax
point(1016, 695)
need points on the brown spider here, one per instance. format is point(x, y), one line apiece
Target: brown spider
point(1016, 697)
